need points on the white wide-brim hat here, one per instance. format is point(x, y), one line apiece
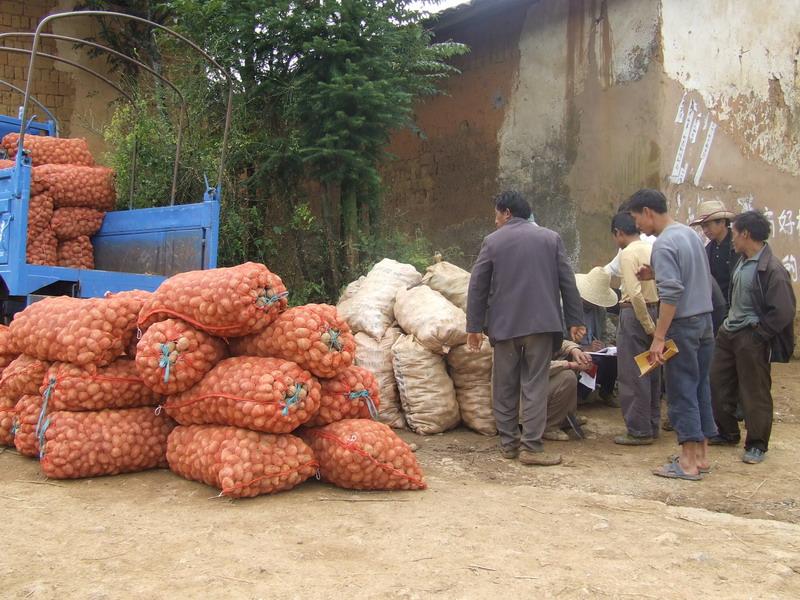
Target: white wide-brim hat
point(711, 210)
point(595, 287)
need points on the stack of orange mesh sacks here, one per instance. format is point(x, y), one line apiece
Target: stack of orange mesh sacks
point(286, 405)
point(79, 404)
point(69, 198)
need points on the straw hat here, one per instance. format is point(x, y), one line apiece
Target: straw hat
point(711, 210)
point(595, 287)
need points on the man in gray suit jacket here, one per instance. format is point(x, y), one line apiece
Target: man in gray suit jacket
point(518, 285)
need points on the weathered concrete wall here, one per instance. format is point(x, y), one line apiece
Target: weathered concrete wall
point(580, 134)
point(732, 94)
point(443, 178)
point(699, 99)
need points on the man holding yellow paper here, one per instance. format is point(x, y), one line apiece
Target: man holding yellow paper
point(683, 280)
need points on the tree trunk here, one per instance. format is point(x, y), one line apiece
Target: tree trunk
point(331, 241)
point(350, 223)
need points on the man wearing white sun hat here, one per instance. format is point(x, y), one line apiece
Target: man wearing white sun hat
point(595, 290)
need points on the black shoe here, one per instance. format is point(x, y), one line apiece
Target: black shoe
point(719, 440)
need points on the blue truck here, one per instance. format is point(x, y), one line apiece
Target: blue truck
point(134, 249)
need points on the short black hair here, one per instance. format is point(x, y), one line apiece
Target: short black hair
point(647, 198)
point(624, 223)
point(515, 202)
point(754, 223)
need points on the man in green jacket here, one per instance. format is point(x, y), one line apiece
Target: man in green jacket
point(759, 330)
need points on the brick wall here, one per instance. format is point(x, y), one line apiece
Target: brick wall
point(52, 85)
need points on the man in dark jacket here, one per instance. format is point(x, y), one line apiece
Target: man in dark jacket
point(516, 291)
point(715, 221)
point(758, 330)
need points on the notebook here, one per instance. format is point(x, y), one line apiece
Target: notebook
point(643, 359)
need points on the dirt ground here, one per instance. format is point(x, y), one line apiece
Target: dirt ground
point(599, 526)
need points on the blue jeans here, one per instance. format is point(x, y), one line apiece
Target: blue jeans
point(688, 388)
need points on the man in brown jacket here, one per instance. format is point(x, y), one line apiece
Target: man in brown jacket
point(516, 290)
point(759, 330)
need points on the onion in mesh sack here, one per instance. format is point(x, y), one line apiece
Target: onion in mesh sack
point(263, 394)
point(46, 150)
point(240, 462)
point(352, 394)
point(72, 222)
point(104, 442)
point(226, 302)
point(314, 336)
point(79, 331)
point(172, 356)
point(358, 454)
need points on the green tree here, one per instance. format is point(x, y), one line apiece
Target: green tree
point(320, 86)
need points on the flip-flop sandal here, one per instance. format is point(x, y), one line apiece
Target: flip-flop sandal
point(703, 470)
point(674, 470)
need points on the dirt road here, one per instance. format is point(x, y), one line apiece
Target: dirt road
point(600, 526)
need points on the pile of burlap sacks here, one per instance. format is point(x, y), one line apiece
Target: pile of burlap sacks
point(411, 333)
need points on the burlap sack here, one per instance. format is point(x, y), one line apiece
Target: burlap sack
point(437, 323)
point(371, 309)
point(450, 281)
point(472, 377)
point(376, 356)
point(347, 295)
point(426, 391)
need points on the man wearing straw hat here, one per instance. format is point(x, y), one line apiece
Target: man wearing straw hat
point(597, 295)
point(715, 221)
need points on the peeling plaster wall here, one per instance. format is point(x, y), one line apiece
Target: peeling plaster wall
point(742, 58)
point(730, 123)
point(580, 131)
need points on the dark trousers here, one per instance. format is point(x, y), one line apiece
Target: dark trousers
point(522, 365)
point(687, 375)
point(639, 397)
point(604, 380)
point(740, 372)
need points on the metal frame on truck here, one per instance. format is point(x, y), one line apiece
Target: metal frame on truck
point(135, 249)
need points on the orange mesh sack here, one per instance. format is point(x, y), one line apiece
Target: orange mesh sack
point(72, 222)
point(76, 254)
point(228, 302)
point(42, 248)
point(8, 350)
point(50, 150)
point(79, 331)
point(23, 376)
point(105, 442)
point(73, 185)
point(40, 214)
point(6, 164)
point(263, 394)
point(172, 356)
point(240, 462)
point(352, 394)
point(26, 425)
point(358, 454)
point(7, 412)
point(74, 387)
point(314, 336)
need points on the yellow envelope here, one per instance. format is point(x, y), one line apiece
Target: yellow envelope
point(643, 362)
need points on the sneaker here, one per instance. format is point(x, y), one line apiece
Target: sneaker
point(753, 456)
point(509, 452)
point(556, 435)
point(541, 458)
point(719, 440)
point(632, 440)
